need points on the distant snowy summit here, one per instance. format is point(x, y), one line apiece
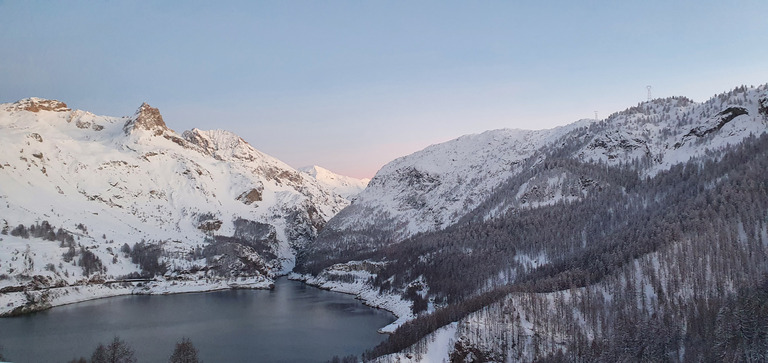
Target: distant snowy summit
point(346, 186)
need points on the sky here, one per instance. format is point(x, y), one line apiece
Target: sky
point(352, 85)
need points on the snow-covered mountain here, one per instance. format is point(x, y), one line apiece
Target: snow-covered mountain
point(211, 205)
point(588, 240)
point(434, 188)
point(580, 242)
point(346, 186)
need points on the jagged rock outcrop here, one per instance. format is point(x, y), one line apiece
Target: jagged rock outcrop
point(34, 104)
point(251, 196)
point(147, 118)
point(721, 119)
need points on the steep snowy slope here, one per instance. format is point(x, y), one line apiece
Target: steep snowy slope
point(433, 188)
point(216, 207)
point(459, 225)
point(436, 187)
point(660, 273)
point(347, 187)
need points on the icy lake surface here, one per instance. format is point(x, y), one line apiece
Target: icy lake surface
point(292, 323)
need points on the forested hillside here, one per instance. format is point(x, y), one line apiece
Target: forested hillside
point(640, 237)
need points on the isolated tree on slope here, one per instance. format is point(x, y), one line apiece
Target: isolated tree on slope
point(185, 352)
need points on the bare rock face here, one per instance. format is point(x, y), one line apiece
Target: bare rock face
point(146, 118)
point(35, 104)
point(253, 195)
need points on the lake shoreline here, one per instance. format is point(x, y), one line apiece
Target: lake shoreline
point(24, 302)
point(16, 303)
point(367, 294)
point(293, 322)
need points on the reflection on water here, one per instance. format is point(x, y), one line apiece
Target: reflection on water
point(292, 323)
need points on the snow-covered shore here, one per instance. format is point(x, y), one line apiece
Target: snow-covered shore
point(23, 302)
point(366, 293)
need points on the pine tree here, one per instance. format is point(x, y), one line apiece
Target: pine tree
point(185, 352)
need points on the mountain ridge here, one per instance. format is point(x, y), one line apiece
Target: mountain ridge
point(206, 204)
point(616, 225)
point(606, 208)
point(433, 188)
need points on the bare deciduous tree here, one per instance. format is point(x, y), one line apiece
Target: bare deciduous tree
point(116, 352)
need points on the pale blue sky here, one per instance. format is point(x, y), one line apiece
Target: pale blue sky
point(351, 85)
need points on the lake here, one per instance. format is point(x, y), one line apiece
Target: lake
point(292, 323)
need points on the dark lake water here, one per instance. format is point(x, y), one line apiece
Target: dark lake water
point(292, 323)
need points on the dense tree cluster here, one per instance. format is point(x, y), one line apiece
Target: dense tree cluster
point(147, 256)
point(90, 263)
point(46, 231)
point(741, 326)
point(247, 252)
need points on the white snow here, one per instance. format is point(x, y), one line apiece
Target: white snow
point(346, 186)
point(71, 167)
point(438, 348)
point(362, 290)
point(433, 188)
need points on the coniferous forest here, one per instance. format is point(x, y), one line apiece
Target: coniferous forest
point(664, 267)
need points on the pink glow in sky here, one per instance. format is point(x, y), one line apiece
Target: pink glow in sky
point(351, 85)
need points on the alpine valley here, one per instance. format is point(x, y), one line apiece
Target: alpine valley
point(94, 205)
point(639, 237)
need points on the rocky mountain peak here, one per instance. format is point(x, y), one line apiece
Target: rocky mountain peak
point(34, 104)
point(248, 210)
point(146, 118)
point(223, 145)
